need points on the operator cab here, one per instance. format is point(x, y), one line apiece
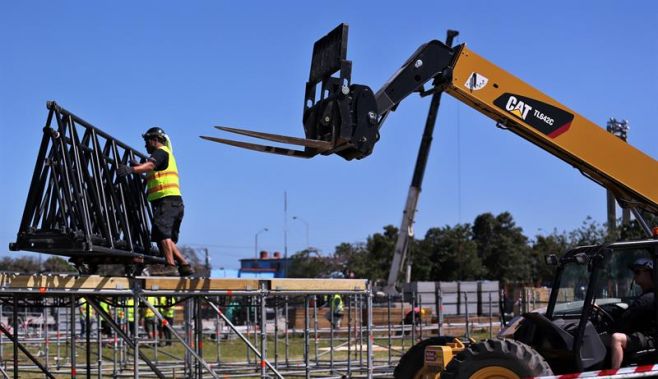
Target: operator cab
point(593, 286)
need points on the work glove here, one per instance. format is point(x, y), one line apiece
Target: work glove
point(124, 170)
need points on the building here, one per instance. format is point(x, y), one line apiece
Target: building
point(264, 266)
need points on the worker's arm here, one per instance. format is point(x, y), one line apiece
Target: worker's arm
point(159, 159)
point(145, 167)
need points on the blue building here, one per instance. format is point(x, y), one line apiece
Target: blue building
point(264, 266)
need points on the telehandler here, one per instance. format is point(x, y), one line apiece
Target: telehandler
point(571, 335)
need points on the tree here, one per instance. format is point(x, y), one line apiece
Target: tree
point(483, 233)
point(634, 231)
point(57, 264)
point(352, 259)
point(380, 247)
point(25, 265)
point(590, 232)
point(502, 247)
point(309, 263)
point(554, 243)
point(448, 253)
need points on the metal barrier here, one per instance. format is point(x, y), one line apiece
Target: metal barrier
point(284, 328)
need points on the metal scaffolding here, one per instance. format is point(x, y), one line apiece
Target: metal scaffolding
point(284, 327)
point(135, 356)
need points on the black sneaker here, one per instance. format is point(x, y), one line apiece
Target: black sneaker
point(185, 270)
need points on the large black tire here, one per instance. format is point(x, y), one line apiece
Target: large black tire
point(497, 358)
point(414, 359)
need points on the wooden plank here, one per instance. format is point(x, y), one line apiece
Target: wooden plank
point(65, 282)
point(318, 284)
point(172, 283)
point(96, 282)
point(5, 278)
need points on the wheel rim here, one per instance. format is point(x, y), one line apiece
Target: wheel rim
point(494, 372)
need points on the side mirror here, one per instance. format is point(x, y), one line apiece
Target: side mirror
point(551, 259)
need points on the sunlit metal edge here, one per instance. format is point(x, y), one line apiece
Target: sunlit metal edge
point(315, 144)
point(263, 148)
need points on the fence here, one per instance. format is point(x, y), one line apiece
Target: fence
point(224, 327)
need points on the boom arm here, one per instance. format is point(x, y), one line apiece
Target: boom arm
point(531, 114)
point(536, 117)
point(347, 117)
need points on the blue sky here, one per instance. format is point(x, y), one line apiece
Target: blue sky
point(186, 66)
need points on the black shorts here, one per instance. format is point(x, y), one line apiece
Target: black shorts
point(639, 341)
point(149, 325)
point(167, 217)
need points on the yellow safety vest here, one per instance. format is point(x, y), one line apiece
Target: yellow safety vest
point(148, 313)
point(337, 304)
point(83, 309)
point(130, 304)
point(105, 306)
point(167, 311)
point(163, 183)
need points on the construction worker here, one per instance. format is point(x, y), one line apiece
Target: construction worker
point(167, 310)
point(130, 315)
point(83, 316)
point(149, 317)
point(337, 310)
point(104, 325)
point(636, 325)
point(163, 192)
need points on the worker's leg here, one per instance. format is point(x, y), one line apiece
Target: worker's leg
point(175, 232)
point(168, 253)
point(151, 328)
point(170, 321)
point(167, 219)
point(176, 253)
point(617, 345)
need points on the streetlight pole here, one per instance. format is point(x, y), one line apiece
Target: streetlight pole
point(256, 241)
point(307, 228)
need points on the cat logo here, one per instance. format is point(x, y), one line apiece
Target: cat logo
point(546, 118)
point(517, 107)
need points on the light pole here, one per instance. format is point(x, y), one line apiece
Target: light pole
point(256, 241)
point(307, 227)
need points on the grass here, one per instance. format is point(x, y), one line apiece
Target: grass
point(233, 351)
point(228, 352)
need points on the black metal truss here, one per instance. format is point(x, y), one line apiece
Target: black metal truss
point(77, 206)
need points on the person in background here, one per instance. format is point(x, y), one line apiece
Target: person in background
point(130, 316)
point(168, 312)
point(83, 317)
point(337, 310)
point(149, 317)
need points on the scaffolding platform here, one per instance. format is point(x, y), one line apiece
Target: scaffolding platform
point(200, 300)
point(42, 283)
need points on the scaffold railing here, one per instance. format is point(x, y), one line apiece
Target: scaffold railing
point(56, 325)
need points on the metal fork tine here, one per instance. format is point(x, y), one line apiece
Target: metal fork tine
point(315, 144)
point(263, 148)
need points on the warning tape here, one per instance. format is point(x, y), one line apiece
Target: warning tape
point(626, 372)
